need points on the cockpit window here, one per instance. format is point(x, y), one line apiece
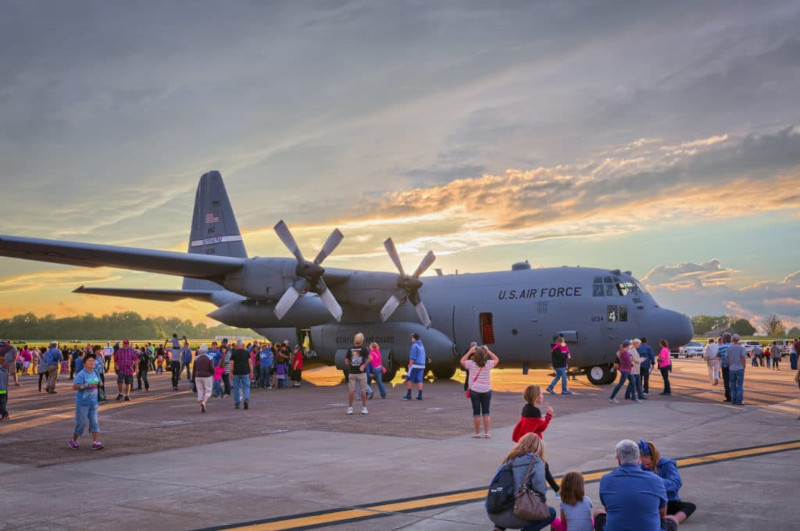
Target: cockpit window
point(612, 286)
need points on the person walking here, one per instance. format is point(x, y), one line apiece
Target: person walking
point(559, 354)
point(186, 360)
point(775, 353)
point(722, 354)
point(241, 366)
point(376, 368)
point(125, 360)
point(141, 374)
point(625, 365)
point(52, 362)
point(665, 365)
point(86, 383)
point(3, 390)
point(416, 367)
point(736, 363)
point(634, 389)
point(480, 387)
point(712, 361)
point(11, 354)
point(203, 375)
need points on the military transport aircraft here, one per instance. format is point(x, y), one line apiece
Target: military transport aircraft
point(516, 311)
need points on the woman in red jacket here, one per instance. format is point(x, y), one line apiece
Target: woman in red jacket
point(531, 421)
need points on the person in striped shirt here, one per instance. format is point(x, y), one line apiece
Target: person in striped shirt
point(480, 385)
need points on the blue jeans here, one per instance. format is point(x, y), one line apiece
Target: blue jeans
point(624, 377)
point(218, 387)
point(264, 376)
point(188, 370)
point(226, 382)
point(793, 361)
point(737, 386)
point(378, 376)
point(561, 374)
point(480, 403)
point(241, 388)
point(634, 389)
point(84, 413)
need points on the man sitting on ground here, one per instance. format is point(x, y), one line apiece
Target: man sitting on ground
point(634, 500)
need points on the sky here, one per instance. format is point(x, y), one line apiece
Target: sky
point(657, 137)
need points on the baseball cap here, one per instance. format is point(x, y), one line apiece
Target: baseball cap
point(415, 335)
point(735, 337)
point(626, 343)
point(225, 340)
point(126, 342)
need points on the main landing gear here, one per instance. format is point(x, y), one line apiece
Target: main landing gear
point(601, 374)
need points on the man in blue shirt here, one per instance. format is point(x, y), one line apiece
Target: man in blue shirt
point(634, 499)
point(648, 362)
point(416, 366)
point(722, 354)
point(52, 360)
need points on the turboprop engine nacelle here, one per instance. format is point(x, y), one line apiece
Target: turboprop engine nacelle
point(254, 313)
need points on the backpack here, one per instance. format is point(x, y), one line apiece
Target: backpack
point(501, 490)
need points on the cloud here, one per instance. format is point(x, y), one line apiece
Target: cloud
point(688, 276)
point(710, 288)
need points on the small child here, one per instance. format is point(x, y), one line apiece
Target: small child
point(3, 389)
point(280, 372)
point(576, 507)
point(86, 383)
point(532, 421)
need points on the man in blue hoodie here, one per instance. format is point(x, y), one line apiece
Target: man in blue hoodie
point(52, 360)
point(416, 366)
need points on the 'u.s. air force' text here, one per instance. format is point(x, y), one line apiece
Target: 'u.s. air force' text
point(539, 293)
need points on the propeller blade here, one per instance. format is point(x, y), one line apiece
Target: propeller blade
point(425, 264)
point(392, 250)
point(422, 312)
point(331, 243)
point(286, 237)
point(330, 302)
point(390, 307)
point(286, 302)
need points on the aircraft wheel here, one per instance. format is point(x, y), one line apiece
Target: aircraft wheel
point(443, 372)
point(601, 375)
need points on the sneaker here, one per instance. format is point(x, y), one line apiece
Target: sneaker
point(236, 406)
point(119, 397)
point(566, 392)
point(246, 405)
point(349, 411)
point(364, 410)
point(549, 390)
point(638, 401)
point(97, 445)
point(406, 397)
point(613, 400)
point(127, 398)
point(418, 398)
point(74, 444)
point(645, 394)
point(202, 408)
point(5, 417)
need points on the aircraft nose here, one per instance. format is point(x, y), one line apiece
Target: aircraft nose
point(675, 327)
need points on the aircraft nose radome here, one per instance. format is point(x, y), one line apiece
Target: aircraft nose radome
point(675, 327)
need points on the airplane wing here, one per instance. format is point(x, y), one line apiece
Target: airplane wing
point(94, 255)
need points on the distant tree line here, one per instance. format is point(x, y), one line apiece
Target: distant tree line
point(770, 327)
point(113, 326)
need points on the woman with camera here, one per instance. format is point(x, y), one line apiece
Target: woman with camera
point(480, 385)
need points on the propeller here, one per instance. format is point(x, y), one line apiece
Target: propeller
point(309, 273)
point(408, 286)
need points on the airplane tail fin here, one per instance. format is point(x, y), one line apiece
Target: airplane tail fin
point(214, 228)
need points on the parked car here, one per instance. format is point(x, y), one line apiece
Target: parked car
point(749, 345)
point(690, 349)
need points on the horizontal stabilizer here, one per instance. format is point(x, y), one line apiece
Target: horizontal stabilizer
point(150, 294)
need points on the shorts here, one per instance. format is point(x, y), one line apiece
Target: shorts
point(353, 378)
point(12, 368)
point(125, 378)
point(416, 375)
point(480, 403)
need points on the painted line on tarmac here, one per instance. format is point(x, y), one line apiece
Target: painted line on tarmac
point(407, 505)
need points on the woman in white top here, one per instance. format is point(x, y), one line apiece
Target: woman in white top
point(480, 385)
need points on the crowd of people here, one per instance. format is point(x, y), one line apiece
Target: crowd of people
point(642, 492)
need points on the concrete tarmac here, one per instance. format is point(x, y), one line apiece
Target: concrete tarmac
point(294, 452)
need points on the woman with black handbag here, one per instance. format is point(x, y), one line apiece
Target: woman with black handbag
point(527, 460)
